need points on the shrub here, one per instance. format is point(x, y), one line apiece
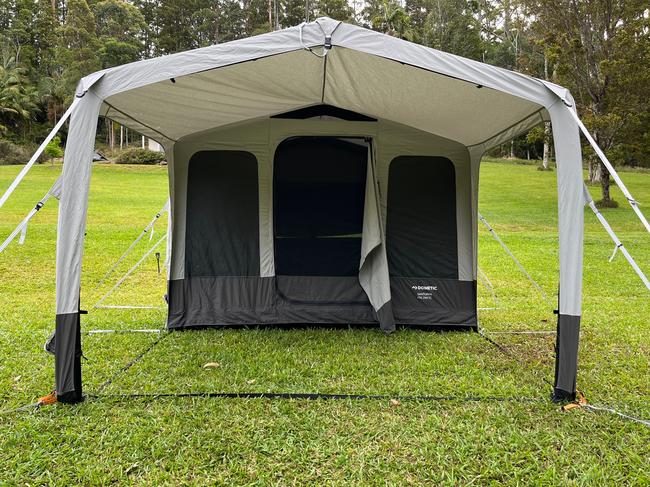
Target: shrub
point(53, 149)
point(140, 156)
point(11, 153)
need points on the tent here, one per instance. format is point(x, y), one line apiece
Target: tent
point(323, 173)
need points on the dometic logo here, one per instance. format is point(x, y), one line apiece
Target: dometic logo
point(424, 288)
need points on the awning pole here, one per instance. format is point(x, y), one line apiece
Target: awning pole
point(512, 256)
point(619, 245)
point(38, 152)
point(619, 182)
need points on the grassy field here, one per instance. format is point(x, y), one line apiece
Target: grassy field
point(294, 442)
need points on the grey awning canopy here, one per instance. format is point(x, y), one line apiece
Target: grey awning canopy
point(174, 96)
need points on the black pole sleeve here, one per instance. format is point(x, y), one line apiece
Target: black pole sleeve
point(67, 363)
point(566, 358)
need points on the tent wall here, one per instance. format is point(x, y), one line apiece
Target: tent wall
point(279, 299)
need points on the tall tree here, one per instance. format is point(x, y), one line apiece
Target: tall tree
point(18, 98)
point(591, 41)
point(78, 46)
point(451, 26)
point(389, 17)
point(335, 9)
point(121, 30)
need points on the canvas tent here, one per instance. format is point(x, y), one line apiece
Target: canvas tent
point(324, 173)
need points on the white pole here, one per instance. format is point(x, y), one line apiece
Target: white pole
point(612, 171)
point(38, 152)
point(619, 245)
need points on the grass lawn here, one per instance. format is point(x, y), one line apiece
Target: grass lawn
point(260, 441)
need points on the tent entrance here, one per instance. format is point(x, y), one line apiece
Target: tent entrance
point(319, 191)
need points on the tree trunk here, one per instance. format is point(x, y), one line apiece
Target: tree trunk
point(595, 170)
point(547, 147)
point(111, 135)
point(604, 184)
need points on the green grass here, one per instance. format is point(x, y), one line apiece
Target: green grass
point(259, 442)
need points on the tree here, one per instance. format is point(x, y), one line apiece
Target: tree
point(452, 27)
point(297, 11)
point(335, 9)
point(596, 45)
point(18, 98)
point(121, 30)
point(389, 17)
point(77, 52)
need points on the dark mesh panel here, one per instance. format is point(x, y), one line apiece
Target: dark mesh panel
point(319, 191)
point(222, 220)
point(421, 235)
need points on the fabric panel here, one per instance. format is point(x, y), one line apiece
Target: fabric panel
point(321, 290)
point(566, 355)
point(434, 301)
point(421, 231)
point(215, 301)
point(222, 219)
point(373, 269)
point(67, 360)
point(571, 202)
point(73, 204)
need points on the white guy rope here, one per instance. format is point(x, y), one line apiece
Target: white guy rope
point(619, 245)
point(38, 152)
point(619, 182)
point(307, 48)
point(22, 226)
point(104, 332)
point(593, 408)
point(128, 307)
point(130, 271)
point(512, 256)
point(135, 242)
point(484, 279)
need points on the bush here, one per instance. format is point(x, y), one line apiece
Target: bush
point(11, 153)
point(140, 156)
point(53, 149)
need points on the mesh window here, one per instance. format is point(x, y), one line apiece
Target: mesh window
point(222, 219)
point(421, 237)
point(319, 191)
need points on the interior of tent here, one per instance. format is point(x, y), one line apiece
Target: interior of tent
point(271, 216)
